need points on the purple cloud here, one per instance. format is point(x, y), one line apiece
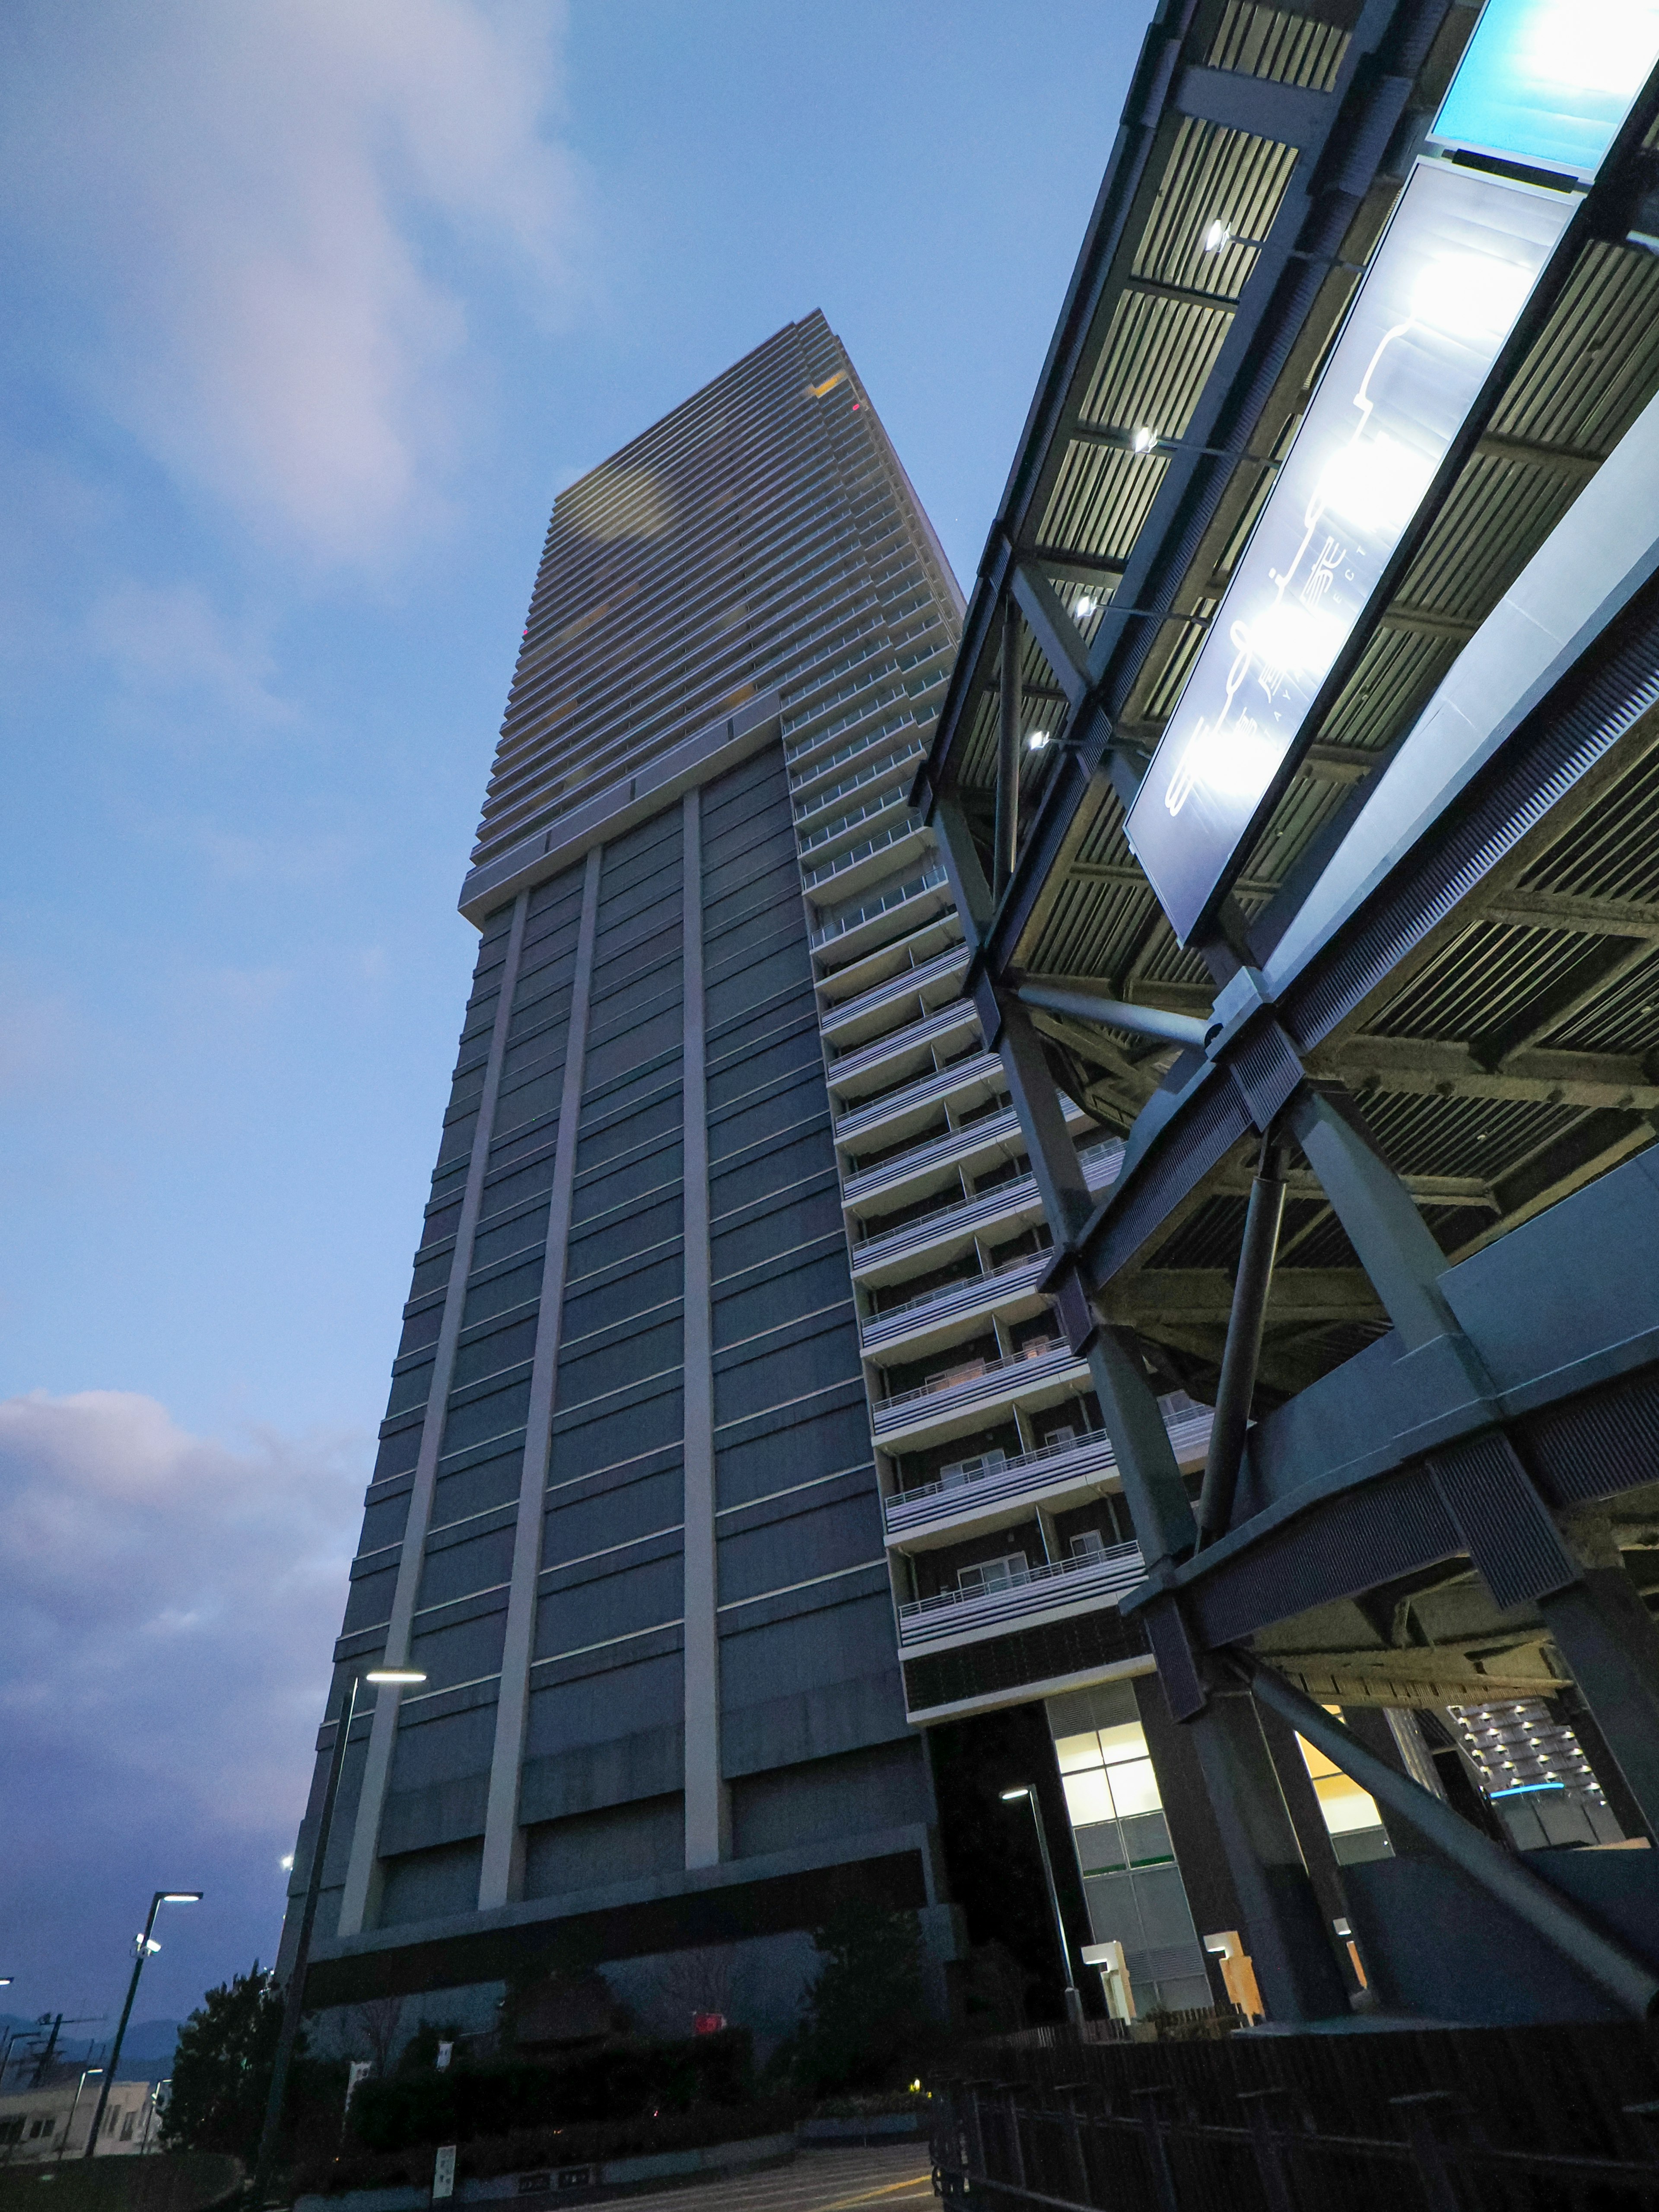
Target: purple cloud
point(172, 1600)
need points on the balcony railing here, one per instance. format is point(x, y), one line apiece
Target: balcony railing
point(900, 757)
point(844, 1012)
point(965, 1216)
point(950, 1392)
point(993, 1484)
point(873, 810)
point(902, 832)
point(842, 925)
point(1103, 1578)
point(958, 1015)
point(924, 1090)
point(991, 1132)
point(947, 1300)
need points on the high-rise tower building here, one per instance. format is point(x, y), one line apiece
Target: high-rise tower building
point(729, 1435)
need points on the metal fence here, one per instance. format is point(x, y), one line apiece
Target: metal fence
point(1533, 2121)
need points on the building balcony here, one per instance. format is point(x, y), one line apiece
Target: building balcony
point(914, 991)
point(875, 719)
point(818, 834)
point(934, 1239)
point(1028, 1596)
point(961, 1400)
point(904, 1052)
point(876, 920)
point(973, 1079)
point(895, 768)
point(943, 1311)
point(975, 1145)
point(899, 846)
point(991, 1492)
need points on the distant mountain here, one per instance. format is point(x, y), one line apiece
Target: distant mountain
point(146, 2053)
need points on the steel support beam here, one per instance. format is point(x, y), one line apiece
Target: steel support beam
point(1116, 1014)
point(1395, 1246)
point(1290, 1946)
point(1295, 1964)
point(1059, 639)
point(1632, 1984)
point(1609, 1640)
point(1243, 1352)
point(1152, 1488)
point(1008, 721)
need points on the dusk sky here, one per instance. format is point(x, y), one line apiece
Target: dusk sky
point(312, 306)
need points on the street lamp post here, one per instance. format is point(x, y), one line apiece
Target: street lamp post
point(1073, 1996)
point(293, 1997)
point(145, 1947)
point(87, 2073)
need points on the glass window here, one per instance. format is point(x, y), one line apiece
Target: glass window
point(1134, 1787)
point(1347, 1808)
point(1075, 1751)
point(1128, 1740)
point(1087, 1797)
point(1162, 1897)
point(1344, 1804)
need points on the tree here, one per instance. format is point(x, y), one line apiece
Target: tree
point(865, 2020)
point(221, 2069)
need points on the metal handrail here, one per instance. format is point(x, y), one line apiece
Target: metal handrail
point(894, 987)
point(945, 1294)
point(992, 2147)
point(987, 1205)
point(983, 1371)
point(1089, 1445)
point(1119, 1565)
point(811, 877)
point(930, 879)
point(918, 1090)
point(955, 1014)
point(901, 757)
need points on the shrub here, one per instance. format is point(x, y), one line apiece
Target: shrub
point(616, 2081)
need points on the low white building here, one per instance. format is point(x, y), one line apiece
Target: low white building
point(51, 2122)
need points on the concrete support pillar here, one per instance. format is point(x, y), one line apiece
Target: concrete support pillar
point(500, 1877)
point(357, 1900)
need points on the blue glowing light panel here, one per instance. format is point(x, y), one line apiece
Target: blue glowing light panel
point(1549, 82)
point(1451, 274)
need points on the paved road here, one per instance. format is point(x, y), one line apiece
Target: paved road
point(818, 2181)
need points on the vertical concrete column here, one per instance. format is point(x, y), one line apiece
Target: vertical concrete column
point(708, 1809)
point(500, 1878)
point(383, 1730)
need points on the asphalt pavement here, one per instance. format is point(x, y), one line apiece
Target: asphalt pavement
point(817, 2181)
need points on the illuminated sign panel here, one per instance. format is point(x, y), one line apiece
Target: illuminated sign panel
point(1451, 275)
point(1549, 82)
